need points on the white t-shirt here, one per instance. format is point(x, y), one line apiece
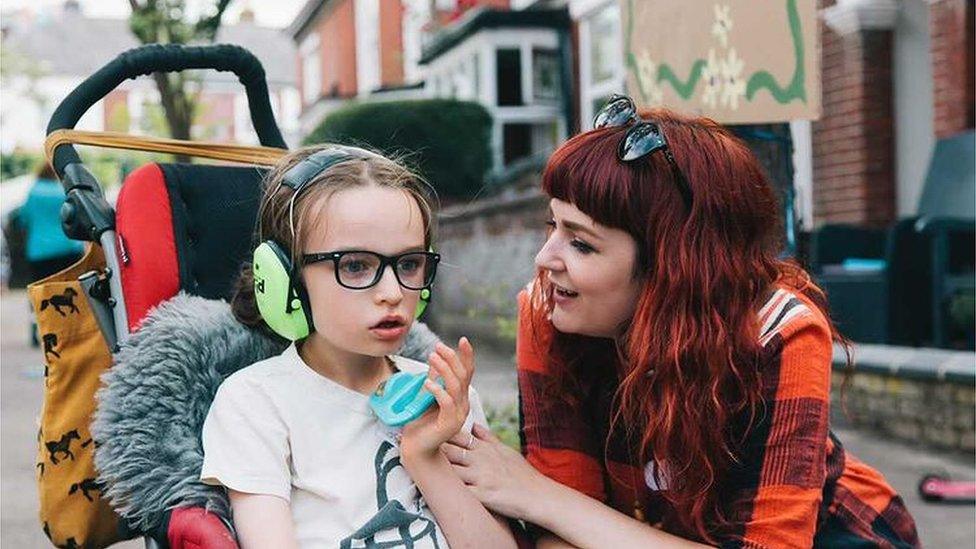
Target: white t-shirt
point(279, 428)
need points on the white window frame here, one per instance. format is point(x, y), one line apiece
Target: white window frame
point(802, 133)
point(311, 59)
point(483, 45)
point(589, 92)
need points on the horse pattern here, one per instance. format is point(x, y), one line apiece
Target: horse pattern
point(65, 464)
point(86, 486)
point(66, 300)
point(50, 341)
point(62, 446)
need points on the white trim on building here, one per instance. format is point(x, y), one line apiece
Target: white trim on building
point(469, 72)
point(600, 31)
point(416, 13)
point(311, 61)
point(367, 26)
point(802, 133)
point(912, 102)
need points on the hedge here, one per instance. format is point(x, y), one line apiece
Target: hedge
point(447, 141)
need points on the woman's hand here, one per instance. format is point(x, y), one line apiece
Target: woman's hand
point(497, 475)
point(424, 436)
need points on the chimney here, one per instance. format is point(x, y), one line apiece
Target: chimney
point(71, 7)
point(246, 16)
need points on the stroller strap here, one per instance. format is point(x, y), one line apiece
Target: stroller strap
point(265, 156)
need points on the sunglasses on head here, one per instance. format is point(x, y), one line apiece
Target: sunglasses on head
point(643, 138)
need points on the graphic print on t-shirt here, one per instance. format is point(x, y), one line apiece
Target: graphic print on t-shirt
point(393, 520)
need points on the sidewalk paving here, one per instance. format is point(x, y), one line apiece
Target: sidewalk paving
point(21, 386)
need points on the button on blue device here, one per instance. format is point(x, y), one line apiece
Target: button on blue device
point(402, 398)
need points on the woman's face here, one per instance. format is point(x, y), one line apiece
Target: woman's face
point(591, 267)
point(373, 321)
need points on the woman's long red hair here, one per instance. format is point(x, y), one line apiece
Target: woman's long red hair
point(688, 364)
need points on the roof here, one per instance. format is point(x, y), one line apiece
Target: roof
point(69, 44)
point(273, 47)
point(306, 15)
point(482, 18)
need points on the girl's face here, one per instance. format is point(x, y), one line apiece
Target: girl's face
point(591, 267)
point(372, 321)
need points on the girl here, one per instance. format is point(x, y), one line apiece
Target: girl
point(293, 439)
point(674, 374)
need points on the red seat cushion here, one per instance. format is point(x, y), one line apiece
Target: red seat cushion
point(146, 245)
point(195, 528)
point(184, 227)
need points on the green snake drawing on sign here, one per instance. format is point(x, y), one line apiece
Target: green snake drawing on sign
point(721, 78)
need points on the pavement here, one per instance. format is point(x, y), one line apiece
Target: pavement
point(21, 391)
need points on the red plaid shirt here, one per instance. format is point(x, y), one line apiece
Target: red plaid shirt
point(795, 486)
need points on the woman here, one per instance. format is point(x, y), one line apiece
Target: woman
point(673, 372)
point(48, 249)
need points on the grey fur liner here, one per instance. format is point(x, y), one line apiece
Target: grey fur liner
point(154, 399)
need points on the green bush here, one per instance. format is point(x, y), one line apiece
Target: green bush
point(447, 141)
point(18, 163)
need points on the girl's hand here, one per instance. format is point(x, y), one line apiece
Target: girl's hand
point(423, 437)
point(497, 475)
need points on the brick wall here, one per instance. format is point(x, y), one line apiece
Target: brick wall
point(918, 395)
point(489, 248)
point(928, 412)
point(853, 142)
point(391, 42)
point(337, 39)
point(115, 114)
point(951, 28)
point(215, 117)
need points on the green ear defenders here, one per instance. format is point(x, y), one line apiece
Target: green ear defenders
point(281, 297)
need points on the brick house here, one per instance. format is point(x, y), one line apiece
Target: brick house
point(348, 49)
point(896, 76)
point(84, 44)
point(513, 62)
point(897, 107)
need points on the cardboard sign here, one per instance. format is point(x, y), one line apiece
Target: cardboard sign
point(736, 61)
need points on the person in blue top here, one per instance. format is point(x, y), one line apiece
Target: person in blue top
point(47, 249)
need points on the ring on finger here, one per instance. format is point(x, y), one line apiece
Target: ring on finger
point(470, 440)
point(464, 454)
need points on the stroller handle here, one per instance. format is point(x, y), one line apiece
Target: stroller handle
point(167, 58)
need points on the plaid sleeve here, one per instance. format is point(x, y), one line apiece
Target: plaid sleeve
point(555, 437)
point(778, 487)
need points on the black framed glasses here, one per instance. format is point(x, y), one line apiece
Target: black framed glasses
point(360, 269)
point(643, 138)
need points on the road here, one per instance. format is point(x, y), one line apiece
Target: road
point(21, 384)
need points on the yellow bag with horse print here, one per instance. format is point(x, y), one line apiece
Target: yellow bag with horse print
point(72, 512)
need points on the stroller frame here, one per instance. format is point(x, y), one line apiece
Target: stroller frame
point(87, 216)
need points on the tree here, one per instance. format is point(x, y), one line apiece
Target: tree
point(165, 22)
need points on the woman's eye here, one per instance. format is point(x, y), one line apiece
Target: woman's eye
point(582, 247)
point(550, 227)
